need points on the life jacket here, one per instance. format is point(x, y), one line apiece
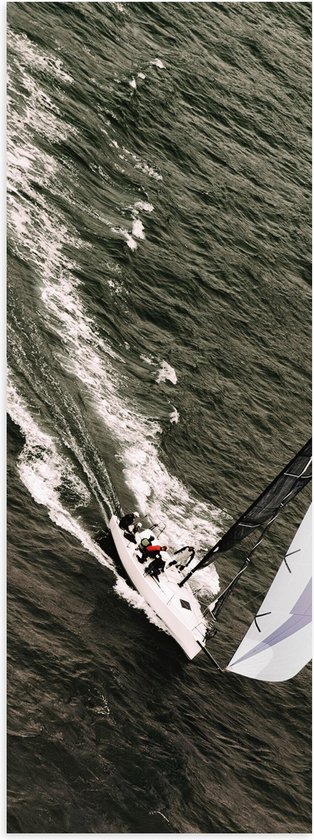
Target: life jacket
point(153, 549)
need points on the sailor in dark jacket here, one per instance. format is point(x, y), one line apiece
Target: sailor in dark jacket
point(158, 564)
point(127, 524)
point(127, 520)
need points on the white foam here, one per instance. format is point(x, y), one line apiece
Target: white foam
point(143, 205)
point(136, 600)
point(148, 359)
point(157, 63)
point(138, 229)
point(159, 495)
point(116, 287)
point(167, 372)
point(142, 165)
point(39, 113)
point(174, 416)
point(114, 267)
point(137, 225)
point(148, 170)
point(32, 56)
point(103, 707)
point(130, 241)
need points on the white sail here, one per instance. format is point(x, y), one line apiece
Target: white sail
point(279, 640)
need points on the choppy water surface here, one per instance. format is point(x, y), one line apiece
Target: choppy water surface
point(159, 341)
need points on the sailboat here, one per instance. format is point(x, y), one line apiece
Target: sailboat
point(277, 645)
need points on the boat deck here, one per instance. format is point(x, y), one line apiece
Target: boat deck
point(176, 606)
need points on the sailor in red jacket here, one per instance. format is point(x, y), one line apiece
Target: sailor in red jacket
point(158, 564)
point(153, 550)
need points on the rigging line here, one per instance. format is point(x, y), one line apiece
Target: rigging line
point(210, 656)
point(264, 592)
point(221, 600)
point(248, 558)
point(250, 601)
point(259, 595)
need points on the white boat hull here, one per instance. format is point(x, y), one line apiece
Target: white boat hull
point(176, 606)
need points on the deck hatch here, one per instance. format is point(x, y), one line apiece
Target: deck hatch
point(185, 604)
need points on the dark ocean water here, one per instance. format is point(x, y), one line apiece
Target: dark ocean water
point(159, 349)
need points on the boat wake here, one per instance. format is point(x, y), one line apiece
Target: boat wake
point(47, 475)
point(41, 234)
point(137, 601)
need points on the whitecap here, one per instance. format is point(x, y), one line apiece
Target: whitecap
point(142, 165)
point(167, 372)
point(157, 63)
point(143, 205)
point(138, 229)
point(115, 285)
point(174, 416)
point(148, 359)
point(131, 243)
point(33, 56)
point(148, 170)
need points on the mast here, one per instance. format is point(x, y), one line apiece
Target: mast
point(266, 507)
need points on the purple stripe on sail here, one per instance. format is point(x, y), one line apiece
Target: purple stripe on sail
point(301, 615)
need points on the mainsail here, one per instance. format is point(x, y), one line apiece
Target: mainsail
point(278, 642)
point(264, 510)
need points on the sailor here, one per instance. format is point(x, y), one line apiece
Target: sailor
point(128, 526)
point(142, 545)
point(131, 535)
point(127, 521)
point(158, 564)
point(137, 527)
point(185, 556)
point(154, 550)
